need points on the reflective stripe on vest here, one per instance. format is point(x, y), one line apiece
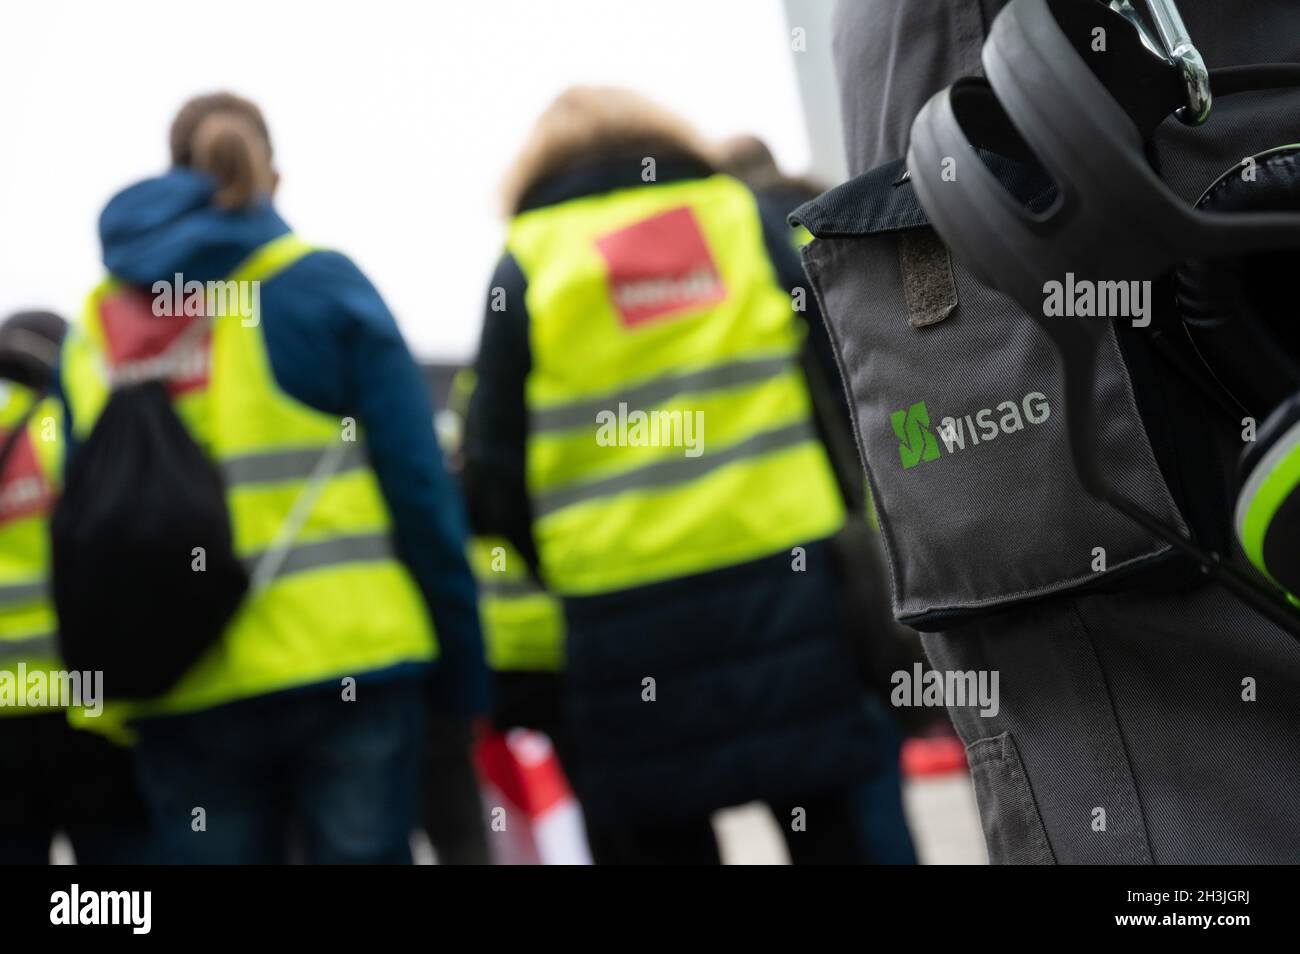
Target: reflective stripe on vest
point(364, 548)
point(25, 648)
point(676, 471)
point(341, 603)
point(581, 414)
point(294, 464)
point(670, 427)
point(510, 588)
point(12, 594)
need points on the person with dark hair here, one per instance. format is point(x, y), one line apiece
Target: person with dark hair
point(56, 777)
point(749, 159)
point(307, 715)
point(29, 348)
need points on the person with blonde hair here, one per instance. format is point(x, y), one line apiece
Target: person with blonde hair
point(642, 433)
point(306, 715)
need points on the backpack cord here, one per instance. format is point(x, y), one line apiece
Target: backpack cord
point(269, 564)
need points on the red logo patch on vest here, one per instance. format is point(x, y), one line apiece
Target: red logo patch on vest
point(660, 267)
point(23, 488)
point(134, 333)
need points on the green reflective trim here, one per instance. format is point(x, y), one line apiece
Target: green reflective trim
point(1270, 483)
point(677, 471)
point(565, 417)
point(41, 646)
point(366, 548)
point(276, 466)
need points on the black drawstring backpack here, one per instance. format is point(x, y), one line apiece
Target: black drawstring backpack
point(145, 575)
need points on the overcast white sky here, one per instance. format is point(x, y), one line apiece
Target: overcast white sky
point(393, 121)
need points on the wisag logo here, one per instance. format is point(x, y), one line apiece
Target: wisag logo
point(915, 440)
point(917, 443)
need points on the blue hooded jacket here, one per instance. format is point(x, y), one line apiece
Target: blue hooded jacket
point(333, 345)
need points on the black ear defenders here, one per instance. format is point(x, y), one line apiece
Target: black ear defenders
point(1241, 314)
point(1083, 118)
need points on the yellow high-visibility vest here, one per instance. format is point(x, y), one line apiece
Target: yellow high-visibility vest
point(27, 625)
point(523, 624)
point(661, 301)
point(342, 603)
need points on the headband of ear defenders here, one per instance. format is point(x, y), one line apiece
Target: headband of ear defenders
point(1240, 312)
point(1085, 121)
point(1083, 116)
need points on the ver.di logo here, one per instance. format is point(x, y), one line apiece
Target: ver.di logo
point(915, 441)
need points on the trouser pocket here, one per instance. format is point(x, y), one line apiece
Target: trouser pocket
point(1013, 828)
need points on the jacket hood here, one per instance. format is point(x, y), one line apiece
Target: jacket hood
point(156, 228)
point(608, 175)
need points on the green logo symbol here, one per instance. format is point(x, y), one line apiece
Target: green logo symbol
point(915, 442)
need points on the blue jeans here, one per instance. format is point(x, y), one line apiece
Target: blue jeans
point(882, 825)
point(249, 782)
